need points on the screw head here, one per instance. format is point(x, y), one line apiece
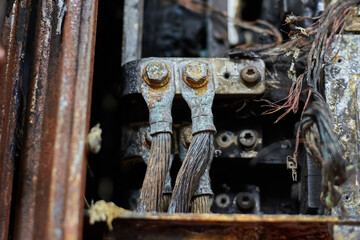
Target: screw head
point(245, 201)
point(156, 74)
point(196, 74)
point(250, 75)
point(247, 138)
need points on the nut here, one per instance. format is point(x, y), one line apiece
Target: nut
point(222, 200)
point(247, 138)
point(156, 74)
point(196, 74)
point(250, 75)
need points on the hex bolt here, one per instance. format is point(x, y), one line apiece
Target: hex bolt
point(250, 75)
point(196, 74)
point(156, 74)
point(245, 202)
point(248, 138)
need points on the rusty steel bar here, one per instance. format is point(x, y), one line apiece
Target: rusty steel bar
point(52, 182)
point(11, 102)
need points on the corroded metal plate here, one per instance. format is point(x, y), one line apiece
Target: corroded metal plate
point(226, 74)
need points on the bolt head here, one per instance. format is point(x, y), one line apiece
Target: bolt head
point(247, 138)
point(156, 74)
point(250, 75)
point(196, 74)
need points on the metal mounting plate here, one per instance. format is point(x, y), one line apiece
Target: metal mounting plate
point(226, 74)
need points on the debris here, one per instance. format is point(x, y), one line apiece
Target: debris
point(94, 139)
point(105, 211)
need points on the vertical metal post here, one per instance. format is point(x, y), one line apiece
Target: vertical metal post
point(52, 172)
point(132, 30)
point(11, 102)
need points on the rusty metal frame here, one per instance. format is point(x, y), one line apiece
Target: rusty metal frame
point(50, 191)
point(11, 100)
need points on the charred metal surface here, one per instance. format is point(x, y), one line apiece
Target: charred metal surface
point(225, 72)
point(346, 232)
point(245, 201)
point(159, 100)
point(11, 102)
point(132, 30)
point(342, 94)
point(52, 183)
point(197, 88)
point(230, 144)
point(216, 226)
point(217, 30)
point(200, 99)
point(158, 90)
point(311, 188)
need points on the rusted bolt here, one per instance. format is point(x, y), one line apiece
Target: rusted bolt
point(186, 136)
point(250, 75)
point(248, 138)
point(156, 74)
point(196, 74)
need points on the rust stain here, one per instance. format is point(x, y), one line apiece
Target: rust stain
point(11, 102)
point(337, 58)
point(57, 118)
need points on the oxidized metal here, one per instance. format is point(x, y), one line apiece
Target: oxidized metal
point(200, 102)
point(342, 89)
point(12, 98)
point(248, 138)
point(341, 232)
point(225, 75)
point(159, 100)
point(250, 75)
point(57, 119)
point(156, 74)
point(245, 200)
point(214, 226)
point(132, 30)
point(196, 74)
